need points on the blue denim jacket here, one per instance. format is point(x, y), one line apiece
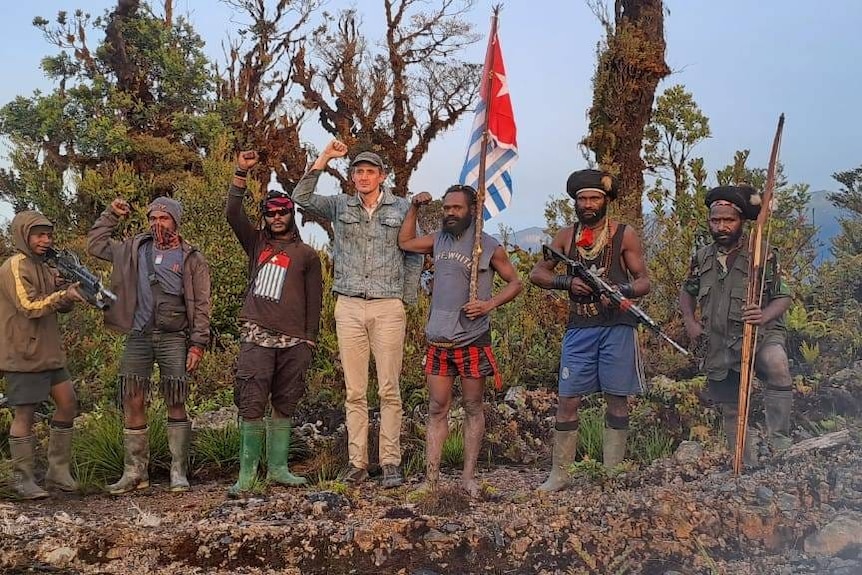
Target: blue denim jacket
point(368, 262)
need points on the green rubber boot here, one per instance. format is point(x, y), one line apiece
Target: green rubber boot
point(277, 451)
point(251, 442)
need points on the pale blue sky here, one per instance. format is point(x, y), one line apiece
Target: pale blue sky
point(744, 61)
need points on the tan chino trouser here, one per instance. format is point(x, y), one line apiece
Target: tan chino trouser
point(376, 326)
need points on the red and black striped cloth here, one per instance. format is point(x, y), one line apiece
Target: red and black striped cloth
point(471, 361)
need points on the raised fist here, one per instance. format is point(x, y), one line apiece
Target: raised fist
point(335, 149)
point(247, 159)
point(421, 199)
point(121, 208)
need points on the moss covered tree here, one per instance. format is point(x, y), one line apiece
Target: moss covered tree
point(631, 63)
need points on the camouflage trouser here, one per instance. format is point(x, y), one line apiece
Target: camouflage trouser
point(143, 350)
point(770, 366)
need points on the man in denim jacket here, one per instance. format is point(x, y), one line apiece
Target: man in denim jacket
point(373, 279)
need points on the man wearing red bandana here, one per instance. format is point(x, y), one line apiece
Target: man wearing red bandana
point(279, 321)
point(600, 348)
point(163, 306)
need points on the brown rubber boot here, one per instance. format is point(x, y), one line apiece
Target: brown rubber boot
point(23, 481)
point(565, 447)
point(59, 459)
point(730, 415)
point(136, 464)
point(179, 439)
point(614, 446)
point(778, 404)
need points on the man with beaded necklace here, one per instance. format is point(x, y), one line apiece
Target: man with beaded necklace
point(600, 348)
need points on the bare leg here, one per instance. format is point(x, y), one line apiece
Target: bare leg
point(439, 401)
point(135, 410)
point(66, 401)
point(22, 424)
point(474, 431)
point(177, 412)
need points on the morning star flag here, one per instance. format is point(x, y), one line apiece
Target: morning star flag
point(501, 150)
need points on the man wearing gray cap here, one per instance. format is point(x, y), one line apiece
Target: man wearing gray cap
point(163, 306)
point(373, 279)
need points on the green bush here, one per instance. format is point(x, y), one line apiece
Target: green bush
point(590, 431)
point(216, 449)
point(453, 448)
point(98, 450)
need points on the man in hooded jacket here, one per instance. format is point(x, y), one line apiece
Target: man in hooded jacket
point(31, 354)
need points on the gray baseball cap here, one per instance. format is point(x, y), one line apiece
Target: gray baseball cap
point(369, 157)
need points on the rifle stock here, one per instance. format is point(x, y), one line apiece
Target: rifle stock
point(600, 286)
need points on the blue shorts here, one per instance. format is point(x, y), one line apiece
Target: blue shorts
point(604, 358)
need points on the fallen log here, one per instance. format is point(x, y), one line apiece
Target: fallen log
point(827, 441)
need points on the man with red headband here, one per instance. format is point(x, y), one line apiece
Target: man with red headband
point(600, 348)
point(163, 306)
point(279, 321)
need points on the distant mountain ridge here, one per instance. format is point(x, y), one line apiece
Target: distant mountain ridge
point(823, 214)
point(529, 239)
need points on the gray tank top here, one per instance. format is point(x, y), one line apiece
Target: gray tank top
point(447, 324)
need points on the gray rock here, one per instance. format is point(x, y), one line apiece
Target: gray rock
point(688, 452)
point(842, 532)
point(451, 527)
point(330, 498)
point(516, 395)
point(764, 495)
point(434, 536)
point(846, 375)
point(787, 502)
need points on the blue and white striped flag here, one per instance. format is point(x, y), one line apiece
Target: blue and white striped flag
point(501, 152)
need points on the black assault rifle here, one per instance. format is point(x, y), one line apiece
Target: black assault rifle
point(70, 267)
point(600, 286)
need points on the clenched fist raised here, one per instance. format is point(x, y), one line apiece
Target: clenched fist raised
point(121, 208)
point(335, 149)
point(247, 159)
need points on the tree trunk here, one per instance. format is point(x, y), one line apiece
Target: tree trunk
point(628, 72)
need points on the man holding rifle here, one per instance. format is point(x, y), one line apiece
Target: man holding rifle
point(600, 349)
point(717, 282)
point(31, 354)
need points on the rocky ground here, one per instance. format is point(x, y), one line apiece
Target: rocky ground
point(683, 515)
point(687, 514)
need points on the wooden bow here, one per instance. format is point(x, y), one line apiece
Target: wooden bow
point(758, 252)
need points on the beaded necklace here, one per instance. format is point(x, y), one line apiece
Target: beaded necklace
point(591, 251)
point(600, 249)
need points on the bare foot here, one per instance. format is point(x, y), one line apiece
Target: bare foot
point(471, 488)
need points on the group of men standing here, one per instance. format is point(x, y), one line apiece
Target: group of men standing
point(163, 306)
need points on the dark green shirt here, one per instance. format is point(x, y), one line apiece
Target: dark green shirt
point(720, 285)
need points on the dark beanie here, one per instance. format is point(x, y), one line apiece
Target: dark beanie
point(593, 180)
point(745, 199)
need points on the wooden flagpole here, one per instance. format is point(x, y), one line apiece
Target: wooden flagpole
point(480, 192)
point(758, 252)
